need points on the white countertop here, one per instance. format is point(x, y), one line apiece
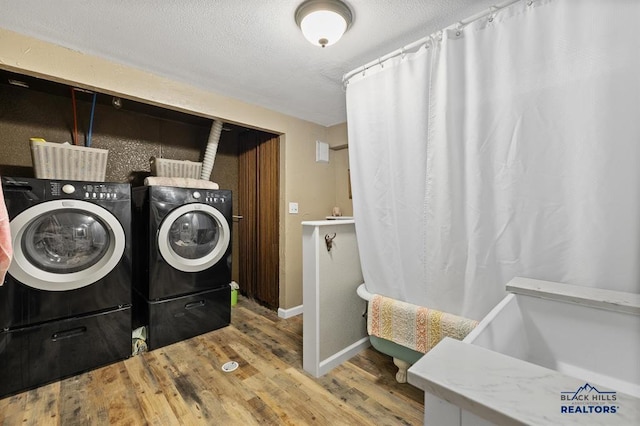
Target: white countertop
point(506, 390)
point(332, 222)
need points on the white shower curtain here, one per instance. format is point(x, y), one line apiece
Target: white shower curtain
point(508, 147)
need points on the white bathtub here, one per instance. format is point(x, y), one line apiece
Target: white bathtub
point(540, 343)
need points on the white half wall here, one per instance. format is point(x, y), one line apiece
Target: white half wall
point(334, 328)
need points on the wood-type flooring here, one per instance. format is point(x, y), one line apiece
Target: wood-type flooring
point(183, 384)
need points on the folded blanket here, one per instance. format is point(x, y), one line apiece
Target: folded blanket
point(412, 326)
point(180, 182)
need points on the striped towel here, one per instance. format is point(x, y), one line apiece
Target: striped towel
point(412, 326)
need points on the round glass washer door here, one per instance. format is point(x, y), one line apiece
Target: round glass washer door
point(193, 237)
point(65, 245)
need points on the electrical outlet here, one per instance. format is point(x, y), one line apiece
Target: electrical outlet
point(293, 208)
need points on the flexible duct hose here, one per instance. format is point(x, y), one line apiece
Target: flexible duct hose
point(212, 148)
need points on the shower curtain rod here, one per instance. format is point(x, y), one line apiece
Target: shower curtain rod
point(420, 42)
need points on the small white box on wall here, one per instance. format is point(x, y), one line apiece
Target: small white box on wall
point(322, 152)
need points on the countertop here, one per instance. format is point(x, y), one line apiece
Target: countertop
point(332, 222)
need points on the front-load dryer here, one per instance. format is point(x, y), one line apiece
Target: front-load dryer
point(71, 249)
point(183, 240)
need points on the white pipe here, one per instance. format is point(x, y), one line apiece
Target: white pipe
point(212, 148)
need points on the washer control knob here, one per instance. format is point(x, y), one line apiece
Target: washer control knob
point(68, 189)
point(196, 195)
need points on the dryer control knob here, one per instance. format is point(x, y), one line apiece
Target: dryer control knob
point(68, 189)
point(196, 194)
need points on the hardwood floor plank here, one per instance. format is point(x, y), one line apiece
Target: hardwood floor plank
point(288, 409)
point(174, 397)
point(378, 402)
point(153, 404)
point(216, 344)
point(36, 407)
point(184, 384)
point(332, 408)
point(73, 394)
point(263, 413)
point(202, 394)
point(114, 395)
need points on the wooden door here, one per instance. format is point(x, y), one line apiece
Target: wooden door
point(258, 231)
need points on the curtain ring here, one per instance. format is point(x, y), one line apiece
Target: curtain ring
point(364, 68)
point(380, 63)
point(492, 13)
point(459, 28)
point(402, 53)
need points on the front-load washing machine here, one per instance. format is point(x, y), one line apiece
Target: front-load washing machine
point(65, 306)
point(182, 257)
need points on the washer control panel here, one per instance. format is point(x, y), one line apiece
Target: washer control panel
point(90, 191)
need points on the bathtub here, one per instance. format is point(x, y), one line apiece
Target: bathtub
point(542, 345)
point(403, 357)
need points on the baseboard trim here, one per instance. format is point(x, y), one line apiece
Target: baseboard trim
point(342, 356)
point(291, 312)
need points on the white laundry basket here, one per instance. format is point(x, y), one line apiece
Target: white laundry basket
point(71, 162)
point(165, 167)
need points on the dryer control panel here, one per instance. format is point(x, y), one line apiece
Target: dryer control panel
point(214, 197)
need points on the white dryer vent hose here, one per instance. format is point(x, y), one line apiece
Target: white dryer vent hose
point(212, 148)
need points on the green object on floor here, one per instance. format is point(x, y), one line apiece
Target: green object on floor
point(234, 297)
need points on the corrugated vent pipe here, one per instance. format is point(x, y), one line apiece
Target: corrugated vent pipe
point(212, 148)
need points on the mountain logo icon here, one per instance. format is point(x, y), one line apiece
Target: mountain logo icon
point(586, 389)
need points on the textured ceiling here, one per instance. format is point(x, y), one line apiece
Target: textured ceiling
point(249, 50)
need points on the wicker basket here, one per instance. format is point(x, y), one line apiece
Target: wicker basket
point(175, 168)
point(71, 162)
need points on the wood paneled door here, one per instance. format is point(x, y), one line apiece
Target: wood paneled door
point(258, 196)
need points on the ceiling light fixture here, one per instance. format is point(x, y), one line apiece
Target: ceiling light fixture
point(323, 21)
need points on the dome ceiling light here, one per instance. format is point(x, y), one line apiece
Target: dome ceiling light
point(323, 22)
